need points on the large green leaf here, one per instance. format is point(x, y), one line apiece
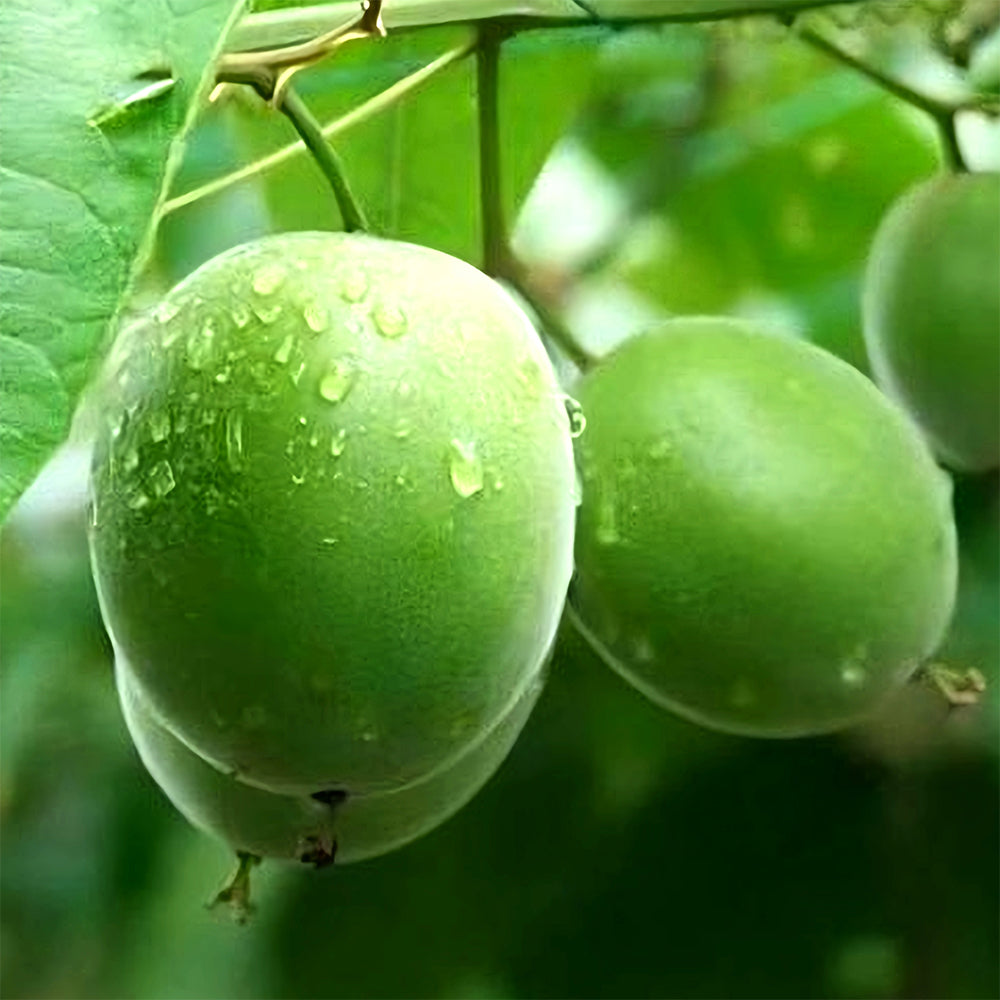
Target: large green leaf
point(83, 165)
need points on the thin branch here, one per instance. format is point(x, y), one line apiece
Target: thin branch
point(375, 105)
point(942, 112)
point(295, 109)
point(515, 274)
point(897, 88)
point(296, 24)
point(490, 189)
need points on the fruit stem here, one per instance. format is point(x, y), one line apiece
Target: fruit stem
point(235, 894)
point(373, 106)
point(294, 108)
point(959, 687)
point(942, 112)
point(490, 191)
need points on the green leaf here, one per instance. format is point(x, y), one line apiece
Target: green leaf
point(34, 412)
point(91, 132)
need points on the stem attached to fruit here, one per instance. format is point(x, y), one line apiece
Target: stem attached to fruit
point(958, 687)
point(294, 108)
point(235, 894)
point(363, 112)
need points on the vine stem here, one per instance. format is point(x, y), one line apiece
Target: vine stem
point(363, 112)
point(295, 109)
point(941, 112)
point(490, 187)
point(498, 259)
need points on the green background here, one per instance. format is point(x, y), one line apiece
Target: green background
point(619, 851)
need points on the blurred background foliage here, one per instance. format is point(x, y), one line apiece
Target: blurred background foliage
point(619, 851)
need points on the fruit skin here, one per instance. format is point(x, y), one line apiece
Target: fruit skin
point(765, 544)
point(333, 510)
point(293, 827)
point(931, 309)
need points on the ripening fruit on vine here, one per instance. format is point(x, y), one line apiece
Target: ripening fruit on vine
point(312, 828)
point(333, 510)
point(765, 544)
point(932, 313)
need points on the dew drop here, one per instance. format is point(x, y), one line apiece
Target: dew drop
point(303, 420)
point(137, 500)
point(316, 317)
point(268, 279)
point(354, 286)
point(265, 313)
point(297, 374)
point(337, 382)
point(199, 348)
point(161, 479)
point(498, 485)
point(390, 320)
point(298, 480)
point(314, 439)
point(577, 421)
point(166, 310)
point(853, 675)
point(402, 428)
point(130, 459)
point(607, 526)
point(234, 439)
point(222, 376)
point(181, 423)
point(159, 425)
point(401, 477)
point(330, 540)
point(465, 468)
point(240, 314)
point(284, 351)
point(338, 442)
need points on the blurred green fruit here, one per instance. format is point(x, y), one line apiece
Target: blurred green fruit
point(333, 510)
point(765, 544)
point(305, 827)
point(932, 313)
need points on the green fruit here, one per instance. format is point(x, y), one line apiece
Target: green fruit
point(765, 544)
point(932, 313)
point(301, 827)
point(333, 510)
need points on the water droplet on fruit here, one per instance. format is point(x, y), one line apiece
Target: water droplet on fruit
point(222, 376)
point(498, 485)
point(199, 347)
point(181, 422)
point(337, 382)
point(284, 351)
point(240, 314)
point(338, 442)
point(234, 439)
point(314, 439)
point(268, 279)
point(159, 425)
point(130, 459)
point(161, 479)
point(465, 468)
point(577, 421)
point(316, 317)
point(354, 286)
point(265, 313)
point(166, 310)
point(607, 525)
point(402, 429)
point(136, 499)
point(297, 374)
point(329, 540)
point(390, 320)
point(853, 675)
point(298, 480)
